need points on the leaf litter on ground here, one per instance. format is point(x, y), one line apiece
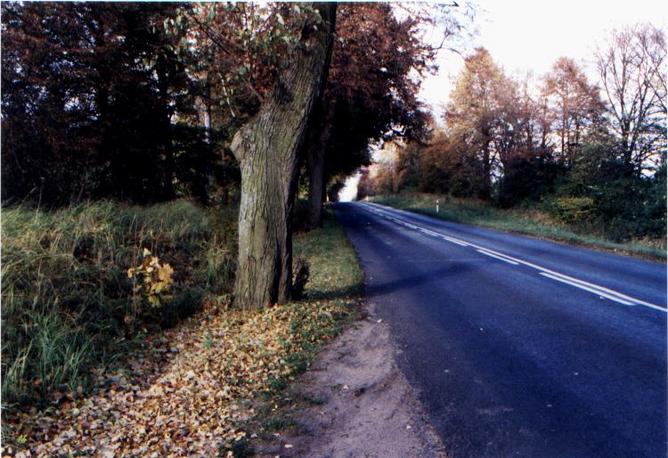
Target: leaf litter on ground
point(192, 390)
point(190, 393)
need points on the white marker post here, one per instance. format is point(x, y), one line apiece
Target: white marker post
point(437, 207)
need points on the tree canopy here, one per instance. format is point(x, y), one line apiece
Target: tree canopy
point(573, 145)
point(140, 102)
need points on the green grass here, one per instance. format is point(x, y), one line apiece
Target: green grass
point(335, 286)
point(335, 272)
point(278, 423)
point(524, 221)
point(66, 297)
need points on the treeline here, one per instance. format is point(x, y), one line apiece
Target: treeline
point(238, 104)
point(139, 102)
point(97, 101)
point(593, 154)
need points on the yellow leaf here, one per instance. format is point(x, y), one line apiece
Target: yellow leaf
point(165, 272)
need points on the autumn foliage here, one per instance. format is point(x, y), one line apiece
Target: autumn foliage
point(590, 153)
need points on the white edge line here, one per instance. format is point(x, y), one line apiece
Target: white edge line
point(583, 283)
point(501, 255)
point(455, 241)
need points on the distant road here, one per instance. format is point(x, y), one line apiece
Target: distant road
point(520, 346)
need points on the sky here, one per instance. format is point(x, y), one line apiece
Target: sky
point(528, 36)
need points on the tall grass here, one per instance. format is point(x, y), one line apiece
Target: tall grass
point(530, 221)
point(66, 296)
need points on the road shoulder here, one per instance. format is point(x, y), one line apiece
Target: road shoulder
point(360, 402)
point(528, 224)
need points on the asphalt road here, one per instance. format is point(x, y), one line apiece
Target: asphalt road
point(520, 346)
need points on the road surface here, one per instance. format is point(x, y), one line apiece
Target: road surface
point(519, 346)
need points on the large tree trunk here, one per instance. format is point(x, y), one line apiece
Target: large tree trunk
point(316, 174)
point(267, 149)
point(315, 163)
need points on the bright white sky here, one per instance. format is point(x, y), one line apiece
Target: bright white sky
point(528, 36)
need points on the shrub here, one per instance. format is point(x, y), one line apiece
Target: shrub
point(67, 301)
point(527, 179)
point(626, 205)
point(302, 271)
point(572, 210)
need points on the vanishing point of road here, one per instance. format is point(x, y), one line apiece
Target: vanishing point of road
point(519, 346)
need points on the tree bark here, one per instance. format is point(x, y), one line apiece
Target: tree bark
point(267, 148)
point(316, 173)
point(486, 165)
point(167, 178)
point(315, 163)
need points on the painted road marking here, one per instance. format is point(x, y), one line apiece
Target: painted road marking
point(505, 257)
point(497, 257)
point(591, 290)
point(455, 241)
point(576, 282)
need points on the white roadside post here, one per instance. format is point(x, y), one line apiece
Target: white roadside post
point(437, 206)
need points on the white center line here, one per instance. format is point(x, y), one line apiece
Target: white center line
point(591, 290)
point(497, 257)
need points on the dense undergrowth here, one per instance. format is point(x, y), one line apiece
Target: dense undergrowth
point(206, 386)
point(67, 300)
point(552, 220)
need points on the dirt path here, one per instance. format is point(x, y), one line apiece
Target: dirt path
point(369, 408)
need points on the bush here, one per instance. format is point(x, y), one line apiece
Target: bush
point(302, 272)
point(66, 295)
point(625, 205)
point(572, 210)
point(527, 179)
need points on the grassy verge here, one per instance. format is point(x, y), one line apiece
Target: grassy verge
point(68, 304)
point(211, 383)
point(524, 221)
point(334, 290)
point(332, 300)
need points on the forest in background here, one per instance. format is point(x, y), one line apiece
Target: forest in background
point(591, 154)
point(239, 104)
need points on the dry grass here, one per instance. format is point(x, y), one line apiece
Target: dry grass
point(194, 388)
point(530, 221)
point(66, 296)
